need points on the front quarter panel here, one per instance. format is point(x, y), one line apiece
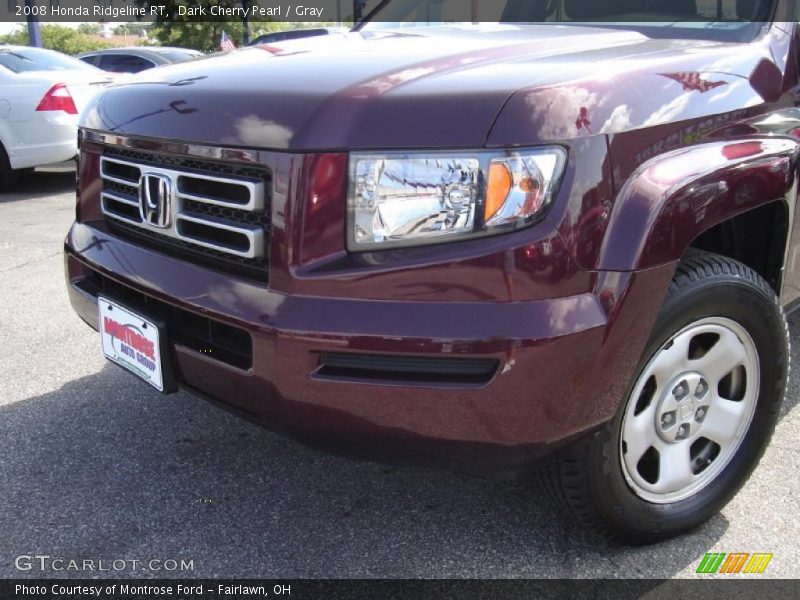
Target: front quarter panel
point(652, 108)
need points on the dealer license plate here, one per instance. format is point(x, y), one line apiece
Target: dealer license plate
point(131, 341)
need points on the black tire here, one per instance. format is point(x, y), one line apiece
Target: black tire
point(588, 478)
point(8, 176)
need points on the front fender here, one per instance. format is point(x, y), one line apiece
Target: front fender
point(673, 198)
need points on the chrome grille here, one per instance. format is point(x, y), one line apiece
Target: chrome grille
point(219, 211)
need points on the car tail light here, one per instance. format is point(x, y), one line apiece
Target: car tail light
point(58, 98)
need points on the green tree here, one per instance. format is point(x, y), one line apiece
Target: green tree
point(57, 37)
point(200, 35)
point(89, 29)
point(171, 29)
point(132, 28)
point(19, 37)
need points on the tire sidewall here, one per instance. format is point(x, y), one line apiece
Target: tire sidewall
point(755, 309)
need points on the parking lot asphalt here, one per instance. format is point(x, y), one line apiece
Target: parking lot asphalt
point(97, 465)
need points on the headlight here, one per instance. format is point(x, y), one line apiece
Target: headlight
point(423, 198)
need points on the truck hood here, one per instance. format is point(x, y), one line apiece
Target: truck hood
point(387, 89)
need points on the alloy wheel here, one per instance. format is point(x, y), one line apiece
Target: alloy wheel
point(689, 411)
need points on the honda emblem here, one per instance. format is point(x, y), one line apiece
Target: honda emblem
point(155, 199)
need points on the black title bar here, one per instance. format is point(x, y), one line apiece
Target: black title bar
point(722, 588)
point(728, 12)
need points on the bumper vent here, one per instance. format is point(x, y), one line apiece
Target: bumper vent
point(200, 210)
point(404, 370)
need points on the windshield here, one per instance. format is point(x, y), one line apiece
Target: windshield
point(20, 60)
point(732, 20)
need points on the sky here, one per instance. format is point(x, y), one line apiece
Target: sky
point(9, 27)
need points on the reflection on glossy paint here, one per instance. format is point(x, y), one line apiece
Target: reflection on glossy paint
point(618, 120)
point(692, 81)
point(685, 165)
point(669, 111)
point(386, 83)
point(578, 313)
point(561, 111)
point(252, 130)
point(742, 150)
point(187, 81)
point(682, 165)
point(583, 120)
point(238, 297)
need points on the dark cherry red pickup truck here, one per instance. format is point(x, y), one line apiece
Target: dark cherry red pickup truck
point(491, 241)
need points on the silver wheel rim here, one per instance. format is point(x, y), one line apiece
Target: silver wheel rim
point(689, 410)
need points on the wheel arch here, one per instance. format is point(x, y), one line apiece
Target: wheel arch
point(724, 197)
point(757, 238)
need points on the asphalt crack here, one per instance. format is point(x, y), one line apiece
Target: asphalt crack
point(31, 261)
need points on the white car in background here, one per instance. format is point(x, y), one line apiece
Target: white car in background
point(42, 93)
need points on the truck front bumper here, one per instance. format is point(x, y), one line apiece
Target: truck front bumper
point(523, 376)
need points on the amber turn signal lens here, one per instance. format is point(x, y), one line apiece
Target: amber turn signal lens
point(498, 189)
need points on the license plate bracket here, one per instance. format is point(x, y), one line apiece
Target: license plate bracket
point(136, 343)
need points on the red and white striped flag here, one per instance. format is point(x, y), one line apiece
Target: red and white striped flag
point(226, 43)
point(692, 82)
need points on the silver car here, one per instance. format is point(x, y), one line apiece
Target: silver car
point(136, 59)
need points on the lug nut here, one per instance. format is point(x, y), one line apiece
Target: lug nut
point(666, 419)
point(701, 390)
point(683, 431)
point(700, 414)
point(680, 390)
